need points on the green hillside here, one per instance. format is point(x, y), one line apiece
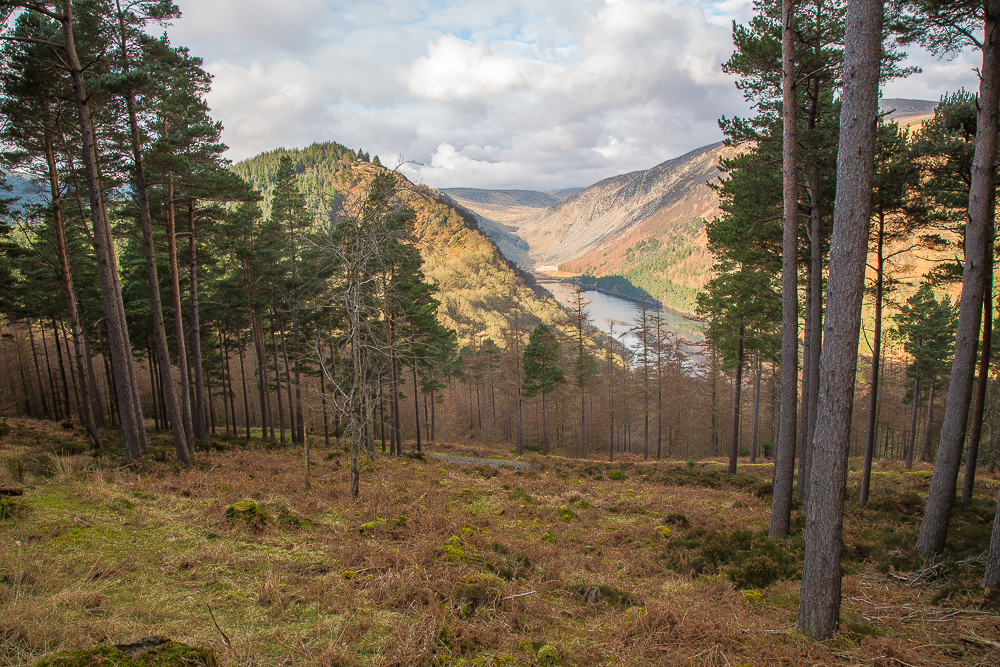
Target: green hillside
point(478, 286)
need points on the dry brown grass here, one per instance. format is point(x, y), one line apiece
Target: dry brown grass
point(471, 566)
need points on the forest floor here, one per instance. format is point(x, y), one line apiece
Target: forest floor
point(565, 562)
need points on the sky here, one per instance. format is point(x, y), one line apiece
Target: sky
point(530, 94)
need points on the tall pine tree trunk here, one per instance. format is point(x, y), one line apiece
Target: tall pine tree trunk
point(972, 454)
point(129, 410)
point(182, 445)
point(937, 512)
point(185, 426)
point(911, 445)
point(819, 607)
point(755, 432)
point(925, 449)
point(784, 458)
point(734, 433)
point(870, 434)
point(85, 404)
point(200, 410)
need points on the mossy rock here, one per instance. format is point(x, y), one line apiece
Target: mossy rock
point(148, 652)
point(548, 656)
point(249, 514)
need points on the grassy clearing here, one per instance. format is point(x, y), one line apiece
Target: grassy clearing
point(563, 563)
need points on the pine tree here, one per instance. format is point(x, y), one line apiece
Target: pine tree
point(927, 328)
point(542, 371)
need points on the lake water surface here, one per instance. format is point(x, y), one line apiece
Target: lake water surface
point(607, 310)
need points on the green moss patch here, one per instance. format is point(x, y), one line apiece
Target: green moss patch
point(248, 514)
point(151, 652)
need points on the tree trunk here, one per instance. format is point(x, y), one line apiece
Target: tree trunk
point(38, 370)
point(56, 408)
point(972, 454)
point(130, 410)
point(182, 445)
point(223, 371)
point(816, 305)
point(911, 445)
point(416, 402)
point(870, 434)
point(803, 477)
point(992, 575)
point(85, 404)
point(88, 358)
point(934, 527)
point(300, 425)
point(714, 450)
point(394, 391)
point(545, 430)
point(200, 430)
point(185, 426)
point(243, 380)
point(288, 379)
point(819, 607)
point(784, 457)
point(756, 413)
point(734, 434)
point(277, 388)
point(925, 449)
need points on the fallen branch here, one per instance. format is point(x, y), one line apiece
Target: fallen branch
point(225, 639)
point(980, 641)
point(519, 595)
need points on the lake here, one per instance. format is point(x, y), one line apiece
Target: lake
point(606, 310)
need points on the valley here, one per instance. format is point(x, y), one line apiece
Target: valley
point(646, 228)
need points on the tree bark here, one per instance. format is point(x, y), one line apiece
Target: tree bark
point(200, 430)
point(734, 433)
point(38, 370)
point(129, 409)
point(934, 527)
point(714, 450)
point(819, 607)
point(243, 381)
point(803, 477)
point(972, 454)
point(870, 434)
point(416, 402)
point(992, 576)
point(911, 445)
point(925, 449)
point(784, 457)
point(182, 446)
point(755, 432)
point(277, 389)
point(85, 404)
point(185, 426)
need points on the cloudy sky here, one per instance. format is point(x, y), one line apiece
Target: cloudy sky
point(537, 94)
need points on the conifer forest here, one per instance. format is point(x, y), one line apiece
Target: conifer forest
point(298, 409)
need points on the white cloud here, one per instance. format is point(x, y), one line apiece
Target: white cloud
point(456, 69)
point(489, 93)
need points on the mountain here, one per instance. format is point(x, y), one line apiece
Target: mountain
point(907, 112)
point(477, 285)
point(633, 234)
point(645, 226)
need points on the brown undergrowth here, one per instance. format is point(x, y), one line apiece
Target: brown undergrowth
point(565, 562)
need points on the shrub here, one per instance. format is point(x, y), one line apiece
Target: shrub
point(617, 475)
